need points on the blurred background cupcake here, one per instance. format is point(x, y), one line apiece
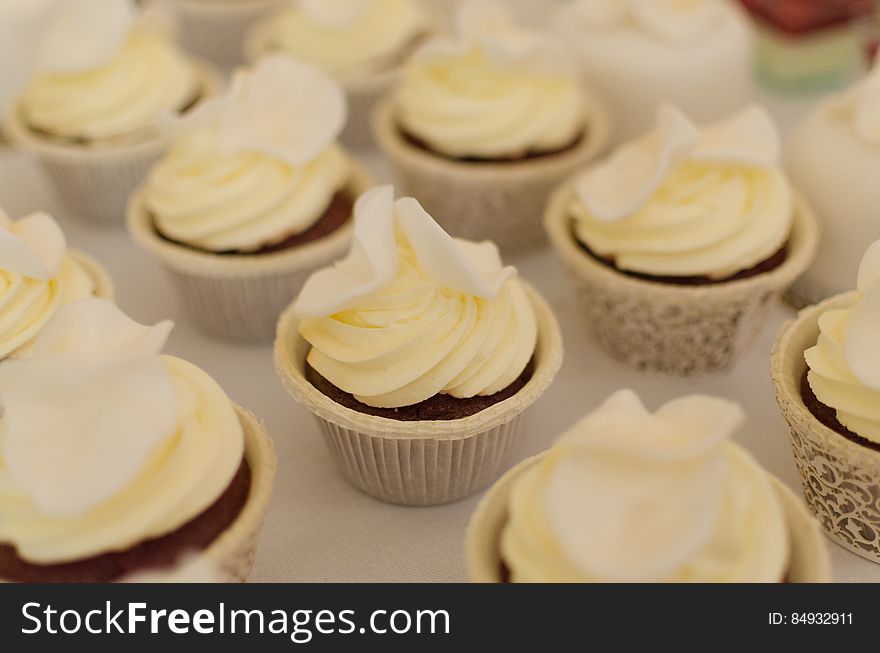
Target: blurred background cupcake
point(632, 496)
point(834, 156)
point(89, 114)
point(640, 53)
point(681, 240)
point(254, 194)
point(826, 373)
point(483, 125)
point(421, 347)
point(362, 43)
point(151, 462)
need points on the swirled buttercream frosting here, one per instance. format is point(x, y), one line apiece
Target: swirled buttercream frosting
point(632, 496)
point(860, 106)
point(844, 366)
point(105, 74)
point(104, 443)
point(495, 90)
point(256, 165)
point(412, 313)
point(683, 201)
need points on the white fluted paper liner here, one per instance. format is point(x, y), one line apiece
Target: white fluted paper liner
point(675, 329)
point(363, 93)
point(808, 562)
point(104, 288)
point(840, 478)
point(94, 182)
point(420, 463)
point(498, 201)
point(232, 553)
point(215, 30)
point(240, 296)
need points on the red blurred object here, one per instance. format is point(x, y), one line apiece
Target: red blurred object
point(804, 16)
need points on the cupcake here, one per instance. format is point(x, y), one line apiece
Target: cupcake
point(105, 74)
point(638, 54)
point(632, 496)
point(825, 373)
point(484, 125)
point(153, 463)
point(38, 275)
point(418, 355)
point(680, 241)
point(215, 29)
point(834, 156)
point(362, 43)
point(254, 194)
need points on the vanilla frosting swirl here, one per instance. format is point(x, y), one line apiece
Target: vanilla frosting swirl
point(412, 313)
point(31, 291)
point(148, 443)
point(348, 38)
point(630, 496)
point(495, 91)
point(844, 366)
point(860, 105)
point(683, 201)
point(120, 98)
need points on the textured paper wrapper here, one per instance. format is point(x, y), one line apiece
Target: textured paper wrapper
point(840, 478)
point(502, 202)
point(232, 554)
point(420, 463)
point(95, 182)
point(678, 330)
point(808, 563)
point(363, 94)
point(239, 297)
point(215, 30)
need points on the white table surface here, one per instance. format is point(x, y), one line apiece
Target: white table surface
point(318, 527)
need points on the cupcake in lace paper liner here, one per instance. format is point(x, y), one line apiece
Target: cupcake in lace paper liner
point(94, 137)
point(824, 373)
point(681, 241)
point(631, 496)
point(155, 463)
point(39, 274)
point(484, 166)
point(215, 30)
point(362, 43)
point(253, 196)
point(418, 355)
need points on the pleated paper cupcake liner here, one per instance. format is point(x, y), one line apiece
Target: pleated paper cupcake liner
point(502, 202)
point(840, 478)
point(240, 296)
point(94, 183)
point(215, 31)
point(420, 463)
point(808, 562)
point(675, 329)
point(232, 554)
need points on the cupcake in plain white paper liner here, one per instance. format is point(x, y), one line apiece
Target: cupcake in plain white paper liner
point(627, 495)
point(418, 354)
point(362, 43)
point(105, 73)
point(680, 241)
point(118, 460)
point(38, 275)
point(485, 123)
point(254, 194)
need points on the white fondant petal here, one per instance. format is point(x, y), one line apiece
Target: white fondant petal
point(676, 20)
point(85, 35)
point(33, 247)
point(749, 137)
point(116, 413)
point(869, 270)
point(860, 347)
point(98, 327)
point(620, 186)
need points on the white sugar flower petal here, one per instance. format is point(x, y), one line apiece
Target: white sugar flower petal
point(33, 246)
point(860, 347)
point(869, 270)
point(749, 137)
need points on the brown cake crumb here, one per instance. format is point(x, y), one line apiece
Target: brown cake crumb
point(828, 416)
point(419, 143)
